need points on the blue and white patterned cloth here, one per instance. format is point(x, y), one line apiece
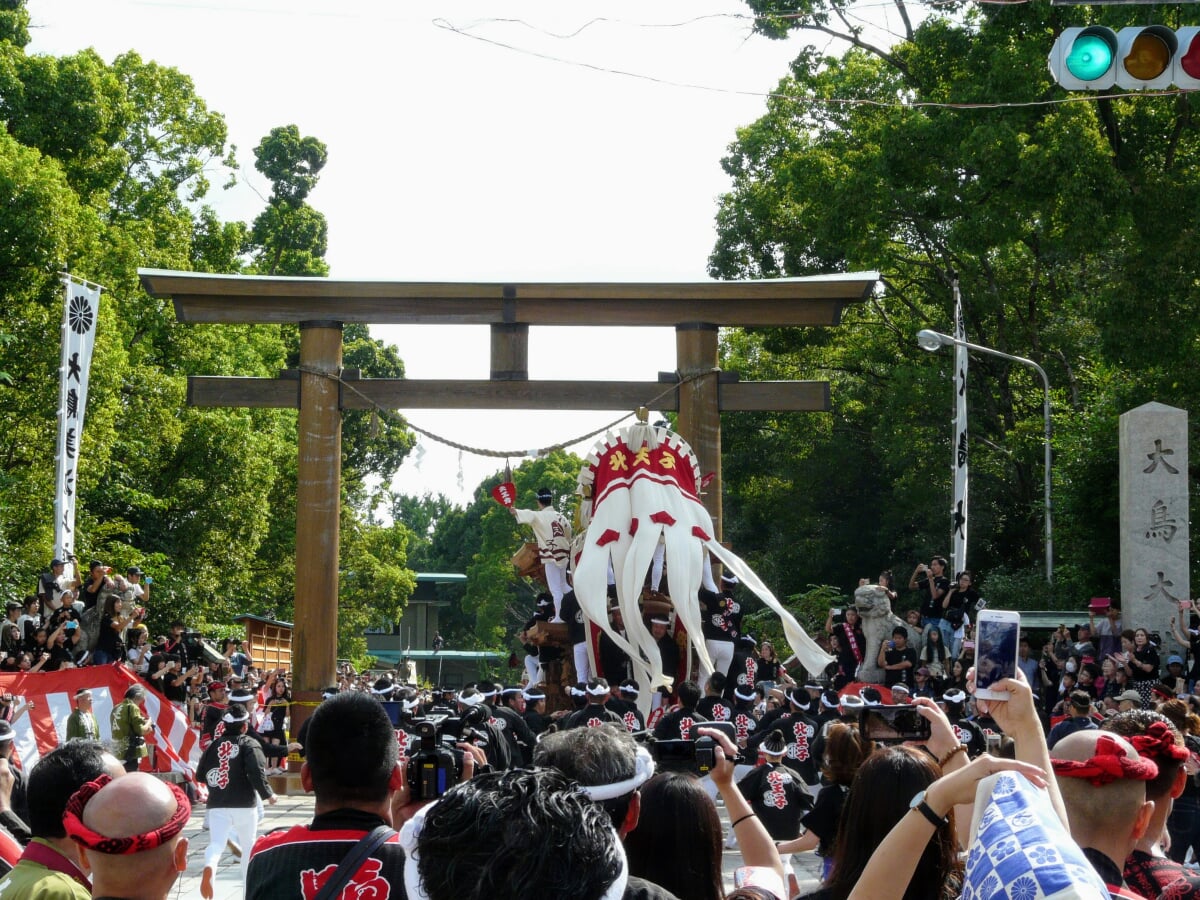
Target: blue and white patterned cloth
point(1020, 850)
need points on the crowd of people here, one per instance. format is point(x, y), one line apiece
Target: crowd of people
point(99, 618)
point(70, 622)
point(1090, 780)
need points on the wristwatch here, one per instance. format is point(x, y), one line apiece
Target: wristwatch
point(918, 803)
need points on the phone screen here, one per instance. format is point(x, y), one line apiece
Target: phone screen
point(894, 723)
point(995, 651)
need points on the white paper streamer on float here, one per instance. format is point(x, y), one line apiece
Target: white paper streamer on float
point(642, 484)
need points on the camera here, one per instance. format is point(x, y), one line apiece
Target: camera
point(695, 756)
point(437, 765)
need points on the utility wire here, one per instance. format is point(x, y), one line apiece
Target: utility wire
point(824, 101)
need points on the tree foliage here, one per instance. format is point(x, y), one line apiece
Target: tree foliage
point(290, 236)
point(1054, 219)
point(480, 542)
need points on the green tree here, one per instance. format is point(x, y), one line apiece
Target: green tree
point(14, 22)
point(480, 542)
point(1050, 216)
point(104, 167)
point(289, 236)
point(444, 539)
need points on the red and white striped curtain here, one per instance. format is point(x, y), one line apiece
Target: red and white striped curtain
point(44, 726)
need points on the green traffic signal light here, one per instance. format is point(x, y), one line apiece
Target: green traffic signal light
point(1090, 57)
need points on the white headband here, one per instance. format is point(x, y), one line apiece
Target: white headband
point(749, 695)
point(473, 700)
point(825, 703)
point(410, 705)
point(410, 835)
point(643, 771)
point(629, 689)
point(852, 701)
point(954, 696)
point(597, 691)
point(232, 718)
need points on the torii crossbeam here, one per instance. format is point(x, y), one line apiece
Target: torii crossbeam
point(321, 306)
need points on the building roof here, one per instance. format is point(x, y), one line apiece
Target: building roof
point(244, 616)
point(441, 578)
point(394, 656)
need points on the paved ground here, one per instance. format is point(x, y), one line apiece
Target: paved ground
point(293, 810)
point(290, 810)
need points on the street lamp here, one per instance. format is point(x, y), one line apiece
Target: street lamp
point(934, 341)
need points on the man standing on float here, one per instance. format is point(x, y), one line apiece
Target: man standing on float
point(553, 533)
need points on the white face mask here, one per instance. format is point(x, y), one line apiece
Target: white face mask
point(1071, 667)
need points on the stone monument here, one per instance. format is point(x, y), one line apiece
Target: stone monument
point(1155, 537)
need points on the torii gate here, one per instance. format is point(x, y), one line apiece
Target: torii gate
point(321, 306)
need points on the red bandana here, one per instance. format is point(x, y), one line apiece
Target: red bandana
point(1108, 765)
point(1159, 743)
point(116, 846)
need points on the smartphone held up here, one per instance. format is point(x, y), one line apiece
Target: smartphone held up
point(997, 636)
point(893, 724)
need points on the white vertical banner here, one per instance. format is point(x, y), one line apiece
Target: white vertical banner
point(958, 513)
point(80, 313)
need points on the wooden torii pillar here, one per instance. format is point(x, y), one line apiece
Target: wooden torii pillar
point(321, 306)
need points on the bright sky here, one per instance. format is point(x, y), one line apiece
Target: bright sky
point(454, 158)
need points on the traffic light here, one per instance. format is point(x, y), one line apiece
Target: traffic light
point(1186, 65)
point(1136, 58)
point(1082, 58)
point(1145, 57)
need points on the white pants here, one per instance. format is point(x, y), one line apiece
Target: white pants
point(656, 566)
point(721, 654)
point(225, 822)
point(583, 669)
point(533, 669)
point(740, 771)
point(556, 581)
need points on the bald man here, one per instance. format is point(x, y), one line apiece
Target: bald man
point(130, 832)
point(50, 865)
point(1103, 783)
point(1148, 870)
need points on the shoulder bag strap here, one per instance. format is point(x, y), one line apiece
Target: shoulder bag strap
point(352, 861)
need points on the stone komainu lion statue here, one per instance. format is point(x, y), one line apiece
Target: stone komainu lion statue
point(878, 620)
